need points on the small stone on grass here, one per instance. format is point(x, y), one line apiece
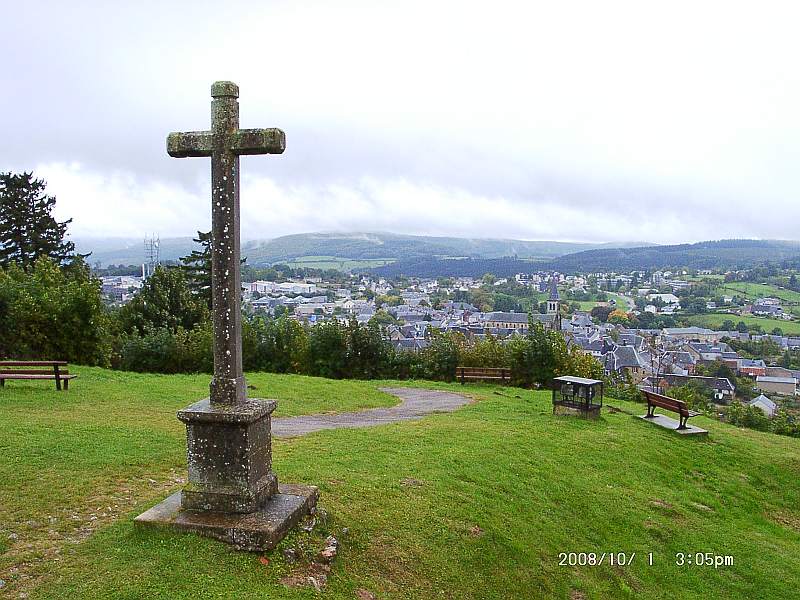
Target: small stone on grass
point(411, 482)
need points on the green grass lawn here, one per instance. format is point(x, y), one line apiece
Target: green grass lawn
point(473, 504)
point(715, 321)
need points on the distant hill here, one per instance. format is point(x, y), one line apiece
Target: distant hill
point(398, 247)
point(426, 256)
point(342, 247)
point(432, 268)
point(722, 254)
point(130, 251)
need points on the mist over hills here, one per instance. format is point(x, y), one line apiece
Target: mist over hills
point(354, 246)
point(129, 251)
point(382, 245)
point(428, 256)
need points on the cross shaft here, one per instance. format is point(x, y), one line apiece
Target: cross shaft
point(224, 143)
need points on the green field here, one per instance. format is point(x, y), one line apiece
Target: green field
point(754, 291)
point(623, 303)
point(715, 320)
point(712, 277)
point(473, 504)
point(588, 305)
point(338, 263)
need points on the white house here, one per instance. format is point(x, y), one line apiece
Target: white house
point(668, 299)
point(767, 406)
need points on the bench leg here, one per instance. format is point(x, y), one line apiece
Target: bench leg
point(66, 384)
point(682, 422)
point(650, 411)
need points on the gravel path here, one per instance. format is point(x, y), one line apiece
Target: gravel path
point(415, 404)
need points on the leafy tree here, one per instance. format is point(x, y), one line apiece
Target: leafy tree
point(197, 267)
point(486, 352)
point(619, 317)
point(381, 317)
point(53, 313)
point(327, 350)
point(695, 395)
point(367, 351)
point(27, 227)
point(280, 345)
point(482, 298)
point(748, 416)
point(440, 359)
point(165, 301)
point(602, 313)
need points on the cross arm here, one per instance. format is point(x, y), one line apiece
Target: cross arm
point(258, 141)
point(190, 143)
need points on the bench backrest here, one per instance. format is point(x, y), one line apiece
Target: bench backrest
point(32, 363)
point(4, 371)
point(52, 368)
point(678, 406)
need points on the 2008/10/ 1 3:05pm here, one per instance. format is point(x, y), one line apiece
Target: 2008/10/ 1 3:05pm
point(596, 559)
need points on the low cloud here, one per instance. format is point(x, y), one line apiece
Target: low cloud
point(121, 204)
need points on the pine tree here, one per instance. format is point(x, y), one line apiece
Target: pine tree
point(197, 267)
point(27, 227)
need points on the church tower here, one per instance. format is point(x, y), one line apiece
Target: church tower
point(553, 302)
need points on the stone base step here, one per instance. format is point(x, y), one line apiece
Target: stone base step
point(256, 532)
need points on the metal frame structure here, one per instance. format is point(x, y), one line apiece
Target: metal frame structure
point(578, 394)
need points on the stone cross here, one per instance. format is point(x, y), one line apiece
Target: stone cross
point(232, 493)
point(225, 143)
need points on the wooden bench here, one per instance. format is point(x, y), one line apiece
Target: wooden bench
point(677, 406)
point(464, 374)
point(36, 369)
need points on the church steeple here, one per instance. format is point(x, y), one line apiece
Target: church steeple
point(553, 301)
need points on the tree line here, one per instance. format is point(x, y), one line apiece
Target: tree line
point(51, 308)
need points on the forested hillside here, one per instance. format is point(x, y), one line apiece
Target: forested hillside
point(723, 254)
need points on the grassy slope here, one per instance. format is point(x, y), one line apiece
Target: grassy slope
point(754, 291)
point(339, 263)
point(715, 321)
point(535, 484)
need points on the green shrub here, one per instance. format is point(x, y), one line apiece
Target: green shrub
point(53, 313)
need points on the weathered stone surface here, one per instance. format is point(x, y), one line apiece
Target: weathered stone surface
point(229, 456)
point(256, 531)
point(224, 143)
point(232, 493)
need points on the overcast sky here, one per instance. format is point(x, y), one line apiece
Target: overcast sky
point(596, 121)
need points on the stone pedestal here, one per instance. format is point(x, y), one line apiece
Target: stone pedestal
point(229, 456)
point(232, 494)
